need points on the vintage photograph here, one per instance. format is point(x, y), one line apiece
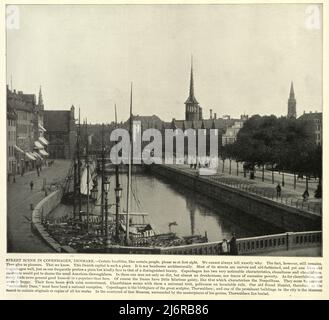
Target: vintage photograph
point(165, 129)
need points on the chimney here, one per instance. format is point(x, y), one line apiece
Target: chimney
point(215, 115)
point(210, 113)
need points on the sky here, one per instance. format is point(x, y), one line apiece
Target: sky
point(244, 58)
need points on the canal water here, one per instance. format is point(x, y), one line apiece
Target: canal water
point(194, 214)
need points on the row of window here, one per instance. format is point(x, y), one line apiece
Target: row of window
point(11, 123)
point(192, 109)
point(11, 151)
point(11, 136)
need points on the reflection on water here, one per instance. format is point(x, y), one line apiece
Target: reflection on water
point(194, 214)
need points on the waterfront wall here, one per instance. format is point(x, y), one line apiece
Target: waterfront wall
point(277, 214)
point(42, 209)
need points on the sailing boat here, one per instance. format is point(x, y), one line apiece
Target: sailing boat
point(138, 232)
point(83, 184)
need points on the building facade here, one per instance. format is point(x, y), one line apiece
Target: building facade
point(11, 142)
point(29, 117)
point(313, 123)
point(60, 132)
point(231, 133)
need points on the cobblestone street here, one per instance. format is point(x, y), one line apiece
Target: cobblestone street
point(19, 200)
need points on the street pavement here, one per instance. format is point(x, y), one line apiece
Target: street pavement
point(20, 238)
point(289, 196)
point(288, 178)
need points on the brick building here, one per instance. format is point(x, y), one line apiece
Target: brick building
point(313, 123)
point(60, 132)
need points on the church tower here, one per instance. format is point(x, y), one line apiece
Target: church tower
point(292, 103)
point(193, 111)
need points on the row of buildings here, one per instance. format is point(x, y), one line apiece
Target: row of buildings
point(35, 134)
point(228, 128)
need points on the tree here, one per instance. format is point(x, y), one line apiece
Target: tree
point(281, 142)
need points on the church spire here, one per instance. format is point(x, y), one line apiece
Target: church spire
point(292, 103)
point(191, 97)
point(40, 101)
point(193, 111)
point(292, 93)
point(191, 79)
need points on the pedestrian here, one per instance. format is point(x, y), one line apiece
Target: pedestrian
point(224, 247)
point(233, 246)
point(278, 191)
point(31, 185)
point(305, 195)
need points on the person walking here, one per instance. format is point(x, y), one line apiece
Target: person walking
point(305, 195)
point(278, 191)
point(31, 185)
point(233, 246)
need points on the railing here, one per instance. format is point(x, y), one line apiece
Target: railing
point(254, 245)
point(285, 200)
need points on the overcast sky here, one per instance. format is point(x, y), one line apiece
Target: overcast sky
point(245, 57)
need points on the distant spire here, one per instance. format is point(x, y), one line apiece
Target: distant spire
point(40, 102)
point(191, 79)
point(292, 103)
point(191, 98)
point(292, 93)
point(131, 99)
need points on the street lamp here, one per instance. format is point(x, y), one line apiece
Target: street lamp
point(118, 194)
point(106, 189)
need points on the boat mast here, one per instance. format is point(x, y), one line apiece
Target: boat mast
point(102, 179)
point(79, 168)
point(87, 164)
point(129, 166)
point(117, 187)
point(74, 185)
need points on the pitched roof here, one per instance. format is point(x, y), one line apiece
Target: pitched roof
point(311, 116)
point(21, 101)
point(147, 122)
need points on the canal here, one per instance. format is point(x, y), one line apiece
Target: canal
point(194, 214)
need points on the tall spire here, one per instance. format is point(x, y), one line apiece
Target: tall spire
point(191, 79)
point(292, 93)
point(292, 103)
point(40, 101)
point(191, 98)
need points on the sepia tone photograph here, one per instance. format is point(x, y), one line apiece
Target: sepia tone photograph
point(165, 129)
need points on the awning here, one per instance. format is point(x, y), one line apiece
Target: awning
point(43, 152)
point(37, 155)
point(30, 155)
point(42, 128)
point(44, 141)
point(38, 145)
point(19, 149)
